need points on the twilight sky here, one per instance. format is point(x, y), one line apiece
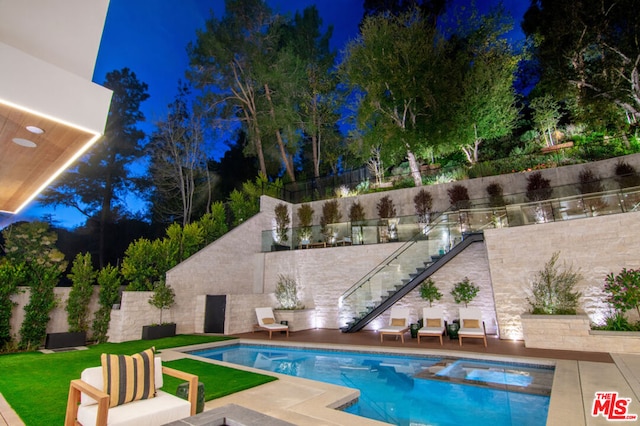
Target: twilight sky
point(150, 38)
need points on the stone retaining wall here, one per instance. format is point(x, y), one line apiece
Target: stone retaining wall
point(573, 332)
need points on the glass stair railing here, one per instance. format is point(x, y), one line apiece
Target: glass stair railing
point(401, 272)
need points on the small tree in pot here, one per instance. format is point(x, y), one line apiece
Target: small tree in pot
point(464, 291)
point(356, 217)
point(429, 291)
point(305, 219)
point(163, 298)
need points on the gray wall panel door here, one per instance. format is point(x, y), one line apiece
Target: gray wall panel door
point(214, 314)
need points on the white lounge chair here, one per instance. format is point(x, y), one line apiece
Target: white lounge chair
point(432, 323)
point(472, 325)
point(398, 323)
point(267, 321)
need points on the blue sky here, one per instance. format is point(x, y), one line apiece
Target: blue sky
point(150, 38)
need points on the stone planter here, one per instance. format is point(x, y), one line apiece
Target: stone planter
point(150, 332)
point(65, 340)
point(298, 319)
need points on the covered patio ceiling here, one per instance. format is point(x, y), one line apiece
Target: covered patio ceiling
point(50, 110)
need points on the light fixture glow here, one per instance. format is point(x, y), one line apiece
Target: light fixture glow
point(24, 142)
point(35, 130)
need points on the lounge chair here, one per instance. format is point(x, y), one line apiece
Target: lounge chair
point(472, 325)
point(88, 404)
point(398, 323)
point(267, 321)
point(433, 323)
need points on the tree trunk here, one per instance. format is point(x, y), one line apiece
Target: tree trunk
point(415, 169)
point(288, 162)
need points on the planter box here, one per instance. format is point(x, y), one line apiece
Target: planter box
point(573, 333)
point(299, 319)
point(65, 340)
point(150, 332)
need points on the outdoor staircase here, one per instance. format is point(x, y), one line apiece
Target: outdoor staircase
point(384, 286)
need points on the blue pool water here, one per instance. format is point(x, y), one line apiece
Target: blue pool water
point(412, 390)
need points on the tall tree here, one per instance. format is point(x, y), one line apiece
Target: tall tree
point(318, 96)
point(97, 185)
point(590, 48)
point(480, 72)
point(223, 60)
point(179, 158)
point(391, 65)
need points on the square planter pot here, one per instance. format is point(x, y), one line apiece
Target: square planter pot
point(65, 340)
point(150, 332)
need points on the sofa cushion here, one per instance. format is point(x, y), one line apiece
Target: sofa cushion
point(128, 378)
point(164, 408)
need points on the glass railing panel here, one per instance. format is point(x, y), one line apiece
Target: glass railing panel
point(398, 268)
point(631, 199)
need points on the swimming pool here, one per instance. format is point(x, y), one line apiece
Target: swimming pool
point(413, 390)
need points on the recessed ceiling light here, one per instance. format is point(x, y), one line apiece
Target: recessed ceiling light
point(24, 142)
point(35, 129)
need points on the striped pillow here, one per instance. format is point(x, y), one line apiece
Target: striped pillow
point(129, 378)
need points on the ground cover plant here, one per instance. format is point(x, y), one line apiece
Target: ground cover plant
point(36, 385)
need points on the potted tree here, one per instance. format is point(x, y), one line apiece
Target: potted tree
point(463, 292)
point(330, 215)
point(428, 291)
point(163, 298)
point(305, 219)
point(290, 310)
point(280, 232)
point(356, 217)
point(423, 203)
point(387, 225)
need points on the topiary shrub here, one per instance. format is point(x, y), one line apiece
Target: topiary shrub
point(282, 223)
point(423, 202)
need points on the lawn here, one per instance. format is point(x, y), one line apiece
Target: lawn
point(36, 385)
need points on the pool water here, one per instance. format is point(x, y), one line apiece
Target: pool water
point(413, 390)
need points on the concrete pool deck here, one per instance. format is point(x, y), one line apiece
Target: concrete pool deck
point(578, 376)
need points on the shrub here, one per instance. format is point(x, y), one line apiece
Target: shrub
point(464, 291)
point(287, 293)
point(423, 203)
point(330, 214)
point(11, 276)
point(459, 197)
point(623, 290)
point(145, 262)
point(589, 182)
point(553, 290)
point(626, 175)
point(82, 276)
point(109, 282)
point(538, 188)
point(385, 208)
point(429, 291)
point(356, 213)
point(496, 199)
point(214, 224)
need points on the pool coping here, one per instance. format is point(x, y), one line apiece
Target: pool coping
point(320, 406)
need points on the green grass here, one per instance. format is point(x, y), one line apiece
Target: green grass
point(36, 385)
point(218, 381)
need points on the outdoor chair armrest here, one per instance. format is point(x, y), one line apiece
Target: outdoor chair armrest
point(193, 384)
point(77, 387)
